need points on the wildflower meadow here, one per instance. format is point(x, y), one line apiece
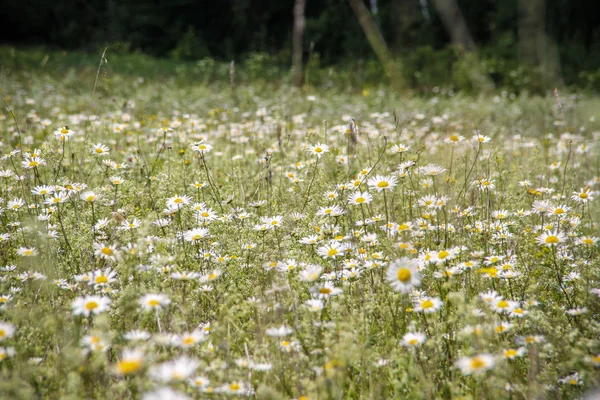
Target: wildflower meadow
point(168, 239)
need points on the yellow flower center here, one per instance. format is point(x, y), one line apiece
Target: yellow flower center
point(107, 251)
point(454, 138)
point(318, 150)
point(129, 366)
point(477, 363)
point(99, 150)
point(188, 340)
point(510, 353)
point(2, 333)
point(332, 252)
point(101, 279)
point(234, 386)
point(551, 239)
point(91, 305)
point(583, 195)
point(413, 342)
point(383, 184)
point(33, 163)
point(443, 254)
point(587, 241)
point(404, 275)
point(324, 290)
point(360, 200)
point(427, 304)
point(94, 340)
point(64, 131)
point(502, 304)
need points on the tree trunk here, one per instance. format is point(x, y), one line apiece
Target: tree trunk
point(536, 49)
point(378, 43)
point(456, 27)
point(299, 7)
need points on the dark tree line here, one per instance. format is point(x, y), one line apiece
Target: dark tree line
point(231, 29)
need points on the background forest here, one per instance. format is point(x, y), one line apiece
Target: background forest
point(530, 45)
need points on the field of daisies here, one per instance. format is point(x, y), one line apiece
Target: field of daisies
point(169, 241)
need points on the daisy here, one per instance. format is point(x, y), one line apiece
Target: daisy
point(7, 330)
point(57, 198)
point(403, 275)
point(432, 170)
point(63, 134)
point(131, 362)
point(481, 138)
point(15, 204)
point(100, 150)
point(272, 222)
point(454, 139)
point(399, 148)
point(584, 195)
point(279, 331)
point(90, 305)
point(311, 273)
point(318, 149)
point(176, 370)
point(154, 301)
point(550, 238)
point(238, 388)
point(33, 162)
point(325, 291)
point(7, 352)
point(27, 251)
point(380, 183)
point(475, 365)
point(116, 180)
point(136, 335)
point(558, 210)
point(331, 250)
point(178, 202)
point(93, 343)
point(504, 306)
point(199, 382)
point(89, 196)
point(187, 340)
point(201, 147)
point(129, 226)
point(428, 305)
point(108, 252)
point(588, 241)
point(43, 190)
point(211, 276)
point(413, 339)
point(314, 305)
point(102, 278)
point(514, 353)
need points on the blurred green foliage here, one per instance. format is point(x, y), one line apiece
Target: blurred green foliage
point(258, 33)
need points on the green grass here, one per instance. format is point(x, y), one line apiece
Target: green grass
point(248, 276)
